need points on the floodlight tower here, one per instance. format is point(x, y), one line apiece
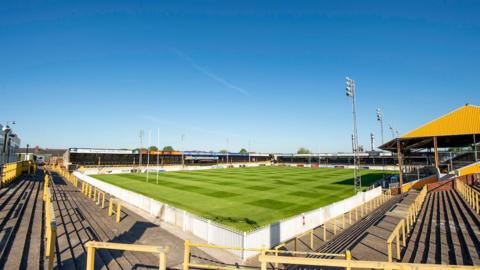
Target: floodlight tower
point(392, 129)
point(350, 92)
point(372, 141)
point(380, 119)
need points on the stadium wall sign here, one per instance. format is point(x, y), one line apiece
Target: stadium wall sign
point(218, 234)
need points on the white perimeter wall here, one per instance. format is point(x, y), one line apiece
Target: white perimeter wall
point(217, 234)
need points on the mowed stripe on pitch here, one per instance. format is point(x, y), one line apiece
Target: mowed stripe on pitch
point(261, 195)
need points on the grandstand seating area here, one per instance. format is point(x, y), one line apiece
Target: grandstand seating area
point(21, 223)
point(447, 231)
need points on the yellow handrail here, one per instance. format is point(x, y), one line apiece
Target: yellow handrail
point(470, 195)
point(10, 171)
point(187, 264)
point(405, 225)
point(267, 259)
point(50, 224)
point(118, 211)
point(93, 245)
point(358, 212)
point(91, 192)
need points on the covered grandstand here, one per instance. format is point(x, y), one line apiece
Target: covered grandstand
point(107, 157)
point(452, 140)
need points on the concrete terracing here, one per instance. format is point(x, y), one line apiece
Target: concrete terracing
point(80, 220)
point(21, 224)
point(447, 232)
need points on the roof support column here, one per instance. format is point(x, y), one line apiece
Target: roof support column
point(400, 163)
point(475, 147)
point(435, 150)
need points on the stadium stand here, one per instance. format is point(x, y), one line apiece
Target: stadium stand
point(75, 157)
point(447, 232)
point(21, 223)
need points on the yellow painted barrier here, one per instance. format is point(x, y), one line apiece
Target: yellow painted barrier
point(97, 194)
point(289, 260)
point(50, 228)
point(358, 212)
point(90, 191)
point(418, 184)
point(405, 225)
point(470, 169)
point(188, 246)
point(397, 232)
point(310, 233)
point(10, 171)
point(92, 246)
point(111, 203)
point(470, 195)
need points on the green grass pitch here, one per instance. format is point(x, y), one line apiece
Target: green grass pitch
point(246, 198)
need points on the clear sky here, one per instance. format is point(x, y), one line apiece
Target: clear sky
point(91, 74)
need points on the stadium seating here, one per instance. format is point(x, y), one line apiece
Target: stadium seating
point(447, 232)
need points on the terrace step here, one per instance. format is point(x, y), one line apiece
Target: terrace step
point(447, 232)
point(83, 220)
point(372, 230)
point(79, 221)
point(20, 223)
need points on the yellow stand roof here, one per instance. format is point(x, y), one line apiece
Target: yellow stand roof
point(462, 121)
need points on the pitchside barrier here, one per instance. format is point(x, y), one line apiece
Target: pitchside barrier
point(217, 234)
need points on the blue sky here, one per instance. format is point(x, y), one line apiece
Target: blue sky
point(91, 74)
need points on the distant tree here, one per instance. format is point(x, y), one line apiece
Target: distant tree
point(153, 148)
point(303, 150)
point(243, 151)
point(457, 149)
point(168, 148)
point(223, 151)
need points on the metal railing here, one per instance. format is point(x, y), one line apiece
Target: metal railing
point(118, 210)
point(276, 252)
point(10, 171)
point(265, 260)
point(405, 225)
point(470, 195)
point(50, 224)
point(92, 246)
point(92, 192)
point(340, 221)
